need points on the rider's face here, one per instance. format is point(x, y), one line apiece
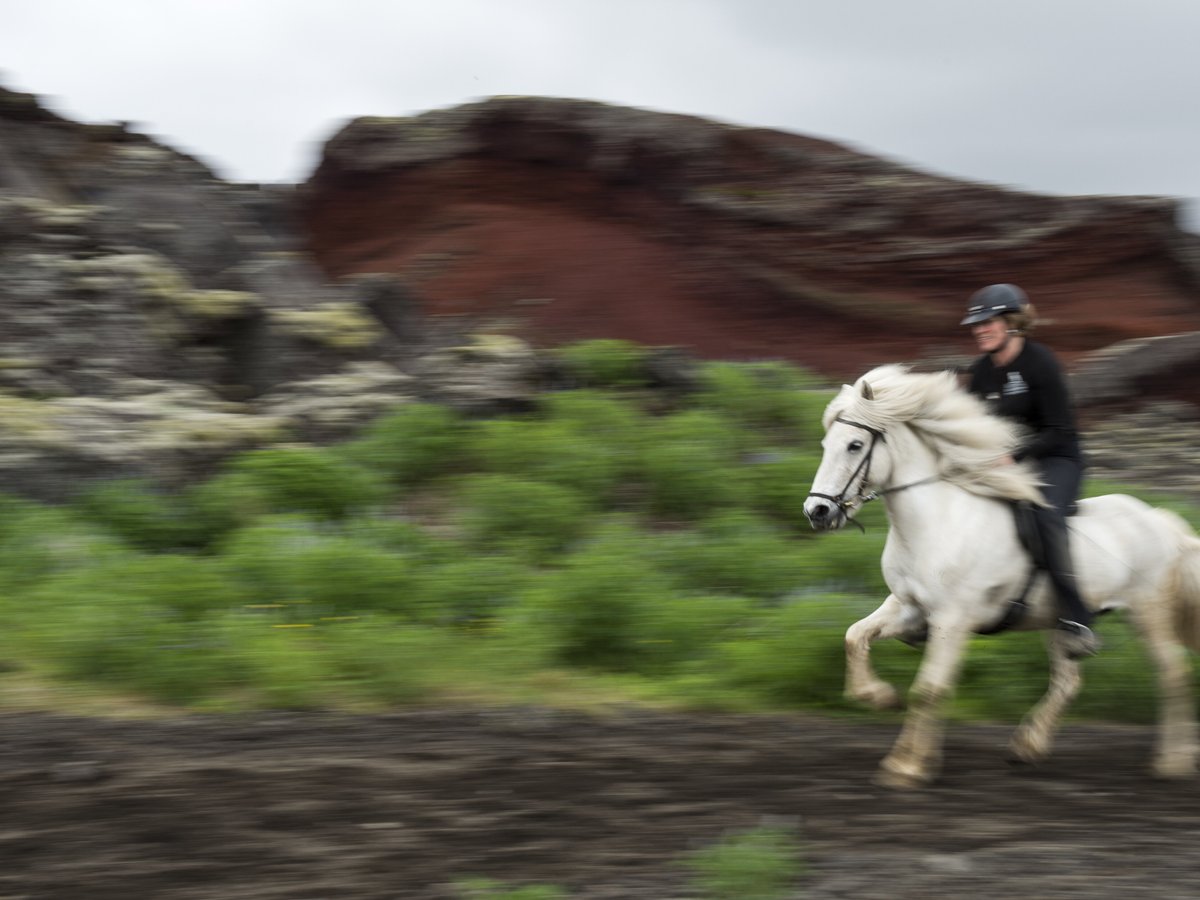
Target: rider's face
point(990, 335)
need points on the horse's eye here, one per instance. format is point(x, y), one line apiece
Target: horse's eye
point(855, 446)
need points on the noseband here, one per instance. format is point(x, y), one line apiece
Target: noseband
point(862, 496)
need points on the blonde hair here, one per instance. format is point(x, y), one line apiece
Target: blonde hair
point(1022, 322)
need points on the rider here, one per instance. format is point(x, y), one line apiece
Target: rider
point(1021, 380)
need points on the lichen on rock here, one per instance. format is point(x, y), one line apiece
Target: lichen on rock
point(337, 324)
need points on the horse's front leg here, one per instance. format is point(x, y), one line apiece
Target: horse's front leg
point(890, 620)
point(916, 757)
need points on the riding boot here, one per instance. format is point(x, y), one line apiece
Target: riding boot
point(1075, 618)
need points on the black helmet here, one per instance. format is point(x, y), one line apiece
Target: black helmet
point(994, 300)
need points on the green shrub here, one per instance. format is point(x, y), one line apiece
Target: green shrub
point(760, 864)
point(593, 610)
point(383, 661)
point(40, 542)
point(792, 656)
point(141, 624)
point(678, 630)
point(262, 556)
point(144, 516)
point(777, 484)
point(304, 480)
point(528, 518)
point(606, 363)
point(601, 417)
point(688, 465)
point(314, 574)
point(847, 561)
point(340, 577)
point(552, 452)
point(403, 537)
point(764, 395)
point(489, 889)
point(465, 591)
point(733, 552)
point(275, 665)
point(414, 444)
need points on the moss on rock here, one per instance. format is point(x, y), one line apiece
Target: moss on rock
point(341, 325)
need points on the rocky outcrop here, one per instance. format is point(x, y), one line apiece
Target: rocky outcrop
point(1164, 367)
point(121, 258)
point(571, 219)
point(155, 319)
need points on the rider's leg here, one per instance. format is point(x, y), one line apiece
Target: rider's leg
point(1061, 479)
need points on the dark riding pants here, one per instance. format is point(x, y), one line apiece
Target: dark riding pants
point(1061, 479)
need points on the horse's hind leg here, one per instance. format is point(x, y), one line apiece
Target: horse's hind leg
point(862, 684)
point(1175, 755)
point(1033, 739)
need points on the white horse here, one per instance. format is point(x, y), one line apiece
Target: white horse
point(954, 564)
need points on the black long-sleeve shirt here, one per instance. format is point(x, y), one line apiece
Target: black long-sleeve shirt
point(1032, 391)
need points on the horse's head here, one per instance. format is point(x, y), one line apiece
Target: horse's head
point(853, 459)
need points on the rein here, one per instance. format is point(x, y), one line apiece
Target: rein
point(862, 496)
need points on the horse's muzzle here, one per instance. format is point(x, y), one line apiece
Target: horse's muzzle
point(824, 515)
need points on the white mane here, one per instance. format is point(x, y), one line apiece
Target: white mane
point(964, 437)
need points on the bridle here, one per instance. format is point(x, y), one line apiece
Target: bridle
point(861, 496)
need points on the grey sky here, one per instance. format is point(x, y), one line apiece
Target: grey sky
point(1055, 96)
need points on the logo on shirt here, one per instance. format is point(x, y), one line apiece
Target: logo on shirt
point(1015, 385)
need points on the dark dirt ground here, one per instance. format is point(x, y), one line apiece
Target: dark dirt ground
point(404, 805)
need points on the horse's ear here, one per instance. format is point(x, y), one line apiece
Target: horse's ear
point(867, 393)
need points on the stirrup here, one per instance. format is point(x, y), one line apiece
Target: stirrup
point(1078, 640)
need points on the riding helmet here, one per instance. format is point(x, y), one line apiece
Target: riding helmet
point(994, 300)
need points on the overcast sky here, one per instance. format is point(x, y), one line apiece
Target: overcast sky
point(1055, 96)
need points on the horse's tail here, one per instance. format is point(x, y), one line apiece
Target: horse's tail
point(1187, 572)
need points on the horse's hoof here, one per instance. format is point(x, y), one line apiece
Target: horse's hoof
point(1175, 767)
point(1024, 754)
point(881, 696)
point(897, 777)
point(1020, 763)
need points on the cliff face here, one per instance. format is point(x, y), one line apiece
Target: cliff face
point(567, 219)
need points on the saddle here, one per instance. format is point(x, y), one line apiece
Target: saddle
point(1024, 514)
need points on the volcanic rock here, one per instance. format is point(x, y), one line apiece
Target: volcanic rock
point(569, 219)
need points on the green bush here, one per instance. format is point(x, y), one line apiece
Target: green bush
point(764, 395)
point(601, 417)
point(314, 574)
point(792, 656)
point(552, 452)
point(777, 484)
point(684, 630)
point(735, 552)
point(847, 561)
point(143, 624)
point(144, 516)
point(414, 444)
point(760, 864)
point(276, 665)
point(383, 661)
point(593, 610)
point(606, 363)
point(262, 556)
point(304, 480)
point(688, 465)
point(489, 889)
point(40, 542)
point(401, 536)
point(528, 518)
point(466, 591)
